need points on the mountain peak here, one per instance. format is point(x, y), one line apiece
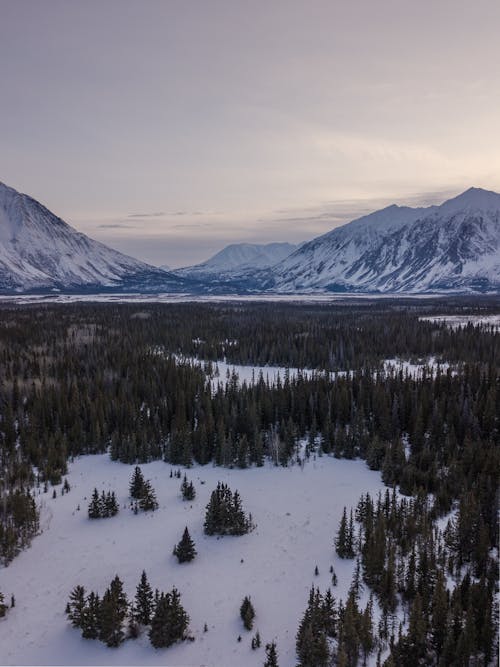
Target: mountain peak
point(473, 198)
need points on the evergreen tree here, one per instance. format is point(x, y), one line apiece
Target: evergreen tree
point(136, 488)
point(76, 606)
point(148, 500)
point(187, 490)
point(91, 617)
point(3, 606)
point(170, 622)
point(94, 510)
point(344, 542)
point(271, 655)
point(185, 549)
point(143, 604)
point(113, 611)
point(247, 613)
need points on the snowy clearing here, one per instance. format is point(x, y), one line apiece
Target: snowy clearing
point(455, 321)
point(297, 512)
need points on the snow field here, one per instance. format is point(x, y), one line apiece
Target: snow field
point(297, 512)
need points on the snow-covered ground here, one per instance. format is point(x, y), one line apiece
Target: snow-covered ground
point(304, 297)
point(415, 370)
point(223, 372)
point(455, 321)
point(297, 512)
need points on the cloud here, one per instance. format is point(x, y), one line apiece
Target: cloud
point(116, 225)
point(156, 214)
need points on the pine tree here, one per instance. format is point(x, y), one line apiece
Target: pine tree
point(170, 622)
point(91, 617)
point(76, 606)
point(344, 542)
point(187, 490)
point(113, 610)
point(271, 655)
point(136, 489)
point(3, 606)
point(143, 606)
point(185, 549)
point(247, 613)
point(148, 500)
point(95, 506)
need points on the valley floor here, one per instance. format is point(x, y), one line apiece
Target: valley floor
point(297, 512)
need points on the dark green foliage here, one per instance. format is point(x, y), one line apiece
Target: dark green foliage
point(103, 506)
point(80, 379)
point(344, 542)
point(271, 655)
point(185, 549)
point(136, 489)
point(170, 622)
point(76, 606)
point(91, 617)
point(317, 624)
point(247, 613)
point(147, 501)
point(112, 613)
point(224, 513)
point(3, 606)
point(143, 603)
point(187, 489)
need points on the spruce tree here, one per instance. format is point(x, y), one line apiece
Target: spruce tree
point(170, 621)
point(247, 613)
point(76, 606)
point(148, 500)
point(187, 489)
point(3, 606)
point(271, 655)
point(91, 617)
point(94, 510)
point(137, 482)
point(143, 606)
point(185, 549)
point(113, 610)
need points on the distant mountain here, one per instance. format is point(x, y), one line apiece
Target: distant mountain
point(237, 260)
point(39, 251)
point(452, 247)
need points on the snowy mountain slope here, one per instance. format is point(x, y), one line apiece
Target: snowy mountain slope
point(39, 250)
point(455, 246)
point(239, 258)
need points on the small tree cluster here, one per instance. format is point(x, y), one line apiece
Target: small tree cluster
point(170, 621)
point(106, 619)
point(318, 625)
point(142, 492)
point(344, 542)
point(247, 613)
point(185, 549)
point(103, 506)
point(188, 491)
point(224, 514)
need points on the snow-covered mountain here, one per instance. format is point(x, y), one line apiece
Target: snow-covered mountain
point(451, 247)
point(38, 250)
point(237, 259)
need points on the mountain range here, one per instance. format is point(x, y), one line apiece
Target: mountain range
point(454, 247)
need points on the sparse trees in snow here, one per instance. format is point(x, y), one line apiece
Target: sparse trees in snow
point(185, 549)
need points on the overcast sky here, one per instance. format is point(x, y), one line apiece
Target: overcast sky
point(168, 129)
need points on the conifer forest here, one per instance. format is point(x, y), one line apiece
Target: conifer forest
point(158, 393)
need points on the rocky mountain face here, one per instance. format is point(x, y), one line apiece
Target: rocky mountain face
point(39, 251)
point(452, 247)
